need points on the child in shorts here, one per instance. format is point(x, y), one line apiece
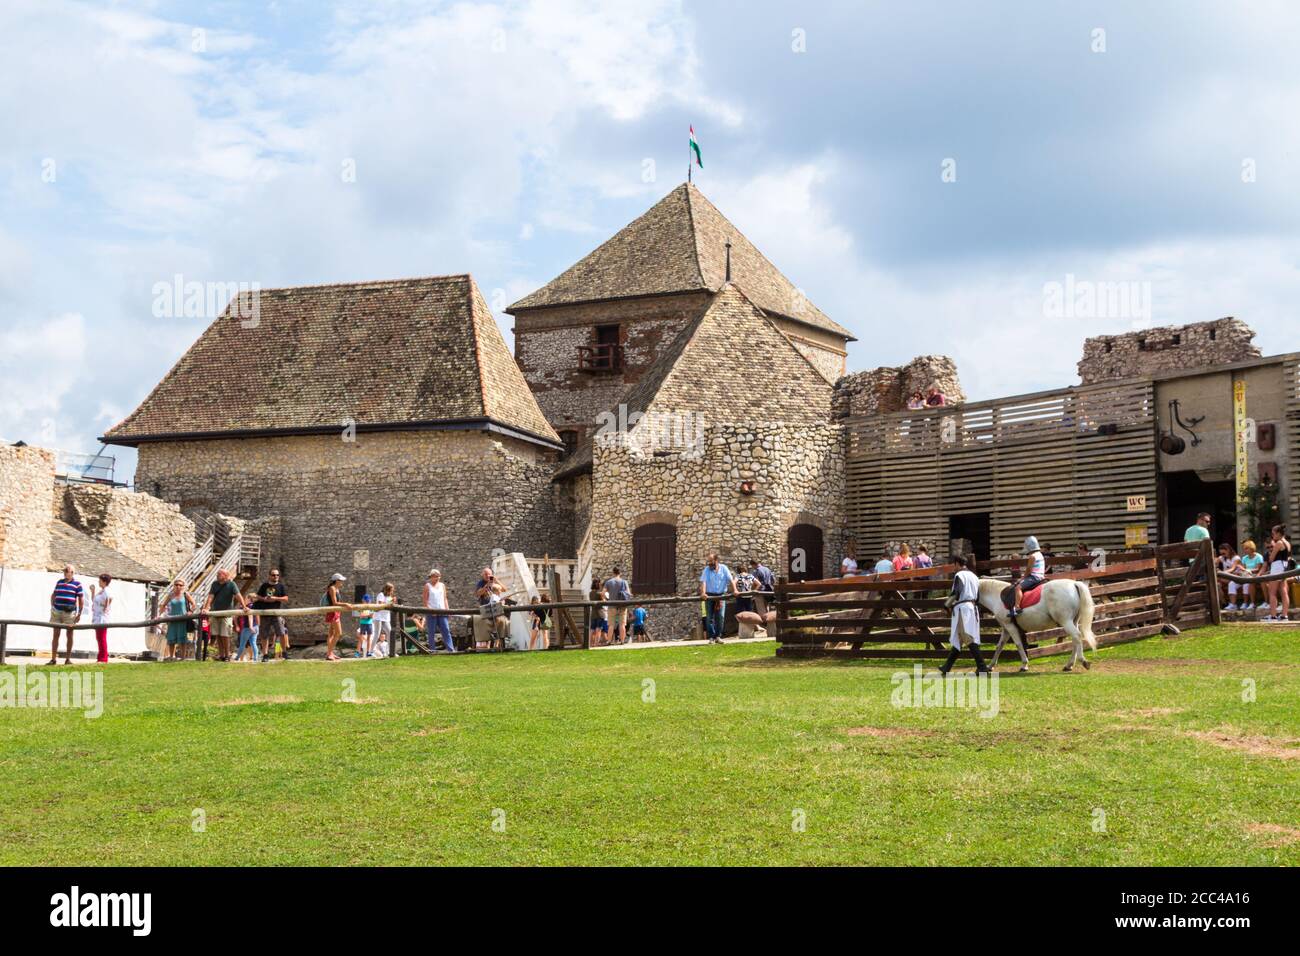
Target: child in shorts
point(366, 628)
point(638, 624)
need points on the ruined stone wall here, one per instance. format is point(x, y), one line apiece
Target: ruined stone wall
point(887, 389)
point(1196, 345)
point(140, 526)
point(798, 475)
point(411, 500)
point(546, 348)
point(26, 477)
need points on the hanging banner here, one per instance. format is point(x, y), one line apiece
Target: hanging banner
point(1239, 428)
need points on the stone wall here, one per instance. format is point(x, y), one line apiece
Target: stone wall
point(546, 348)
point(408, 500)
point(26, 477)
point(798, 476)
point(888, 388)
point(1196, 345)
point(140, 526)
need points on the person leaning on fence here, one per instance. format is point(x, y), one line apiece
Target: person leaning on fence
point(491, 594)
point(1227, 562)
point(849, 565)
point(435, 599)
point(716, 583)
point(964, 602)
point(923, 559)
point(766, 582)
point(886, 563)
point(270, 627)
point(904, 562)
point(1279, 562)
point(67, 602)
point(746, 584)
point(383, 620)
point(179, 602)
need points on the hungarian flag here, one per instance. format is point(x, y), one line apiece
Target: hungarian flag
point(695, 148)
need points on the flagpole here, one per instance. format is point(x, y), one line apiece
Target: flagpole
point(690, 159)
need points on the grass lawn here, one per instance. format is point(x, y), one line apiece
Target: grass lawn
point(732, 751)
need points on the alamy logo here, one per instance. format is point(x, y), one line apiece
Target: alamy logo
point(75, 909)
point(977, 692)
point(73, 690)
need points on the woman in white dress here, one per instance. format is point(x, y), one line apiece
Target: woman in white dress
point(964, 602)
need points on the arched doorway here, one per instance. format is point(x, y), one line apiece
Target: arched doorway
point(804, 550)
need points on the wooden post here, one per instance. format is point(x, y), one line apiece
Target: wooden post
point(586, 627)
point(1212, 582)
point(4, 641)
point(778, 601)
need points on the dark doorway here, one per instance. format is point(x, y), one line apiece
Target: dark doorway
point(974, 528)
point(1186, 494)
point(654, 559)
point(806, 558)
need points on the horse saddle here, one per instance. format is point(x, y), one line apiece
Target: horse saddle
point(1027, 598)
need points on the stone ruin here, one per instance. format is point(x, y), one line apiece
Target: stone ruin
point(887, 389)
point(1109, 358)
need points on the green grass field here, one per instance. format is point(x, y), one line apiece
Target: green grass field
point(563, 753)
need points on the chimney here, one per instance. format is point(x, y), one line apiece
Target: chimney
point(728, 260)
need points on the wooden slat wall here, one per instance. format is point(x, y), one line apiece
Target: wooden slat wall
point(1291, 379)
point(1036, 463)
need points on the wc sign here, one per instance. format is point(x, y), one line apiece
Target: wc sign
point(1136, 503)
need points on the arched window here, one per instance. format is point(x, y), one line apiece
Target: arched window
point(654, 559)
point(804, 547)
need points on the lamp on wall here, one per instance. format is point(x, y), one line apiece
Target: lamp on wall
point(746, 487)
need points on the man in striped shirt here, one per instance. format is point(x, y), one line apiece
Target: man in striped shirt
point(65, 608)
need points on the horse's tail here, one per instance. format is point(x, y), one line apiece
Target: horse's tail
point(1086, 610)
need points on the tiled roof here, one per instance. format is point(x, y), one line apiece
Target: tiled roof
point(678, 245)
point(699, 372)
point(70, 546)
point(405, 352)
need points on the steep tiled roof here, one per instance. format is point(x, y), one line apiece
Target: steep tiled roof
point(408, 352)
point(70, 546)
point(678, 245)
point(729, 364)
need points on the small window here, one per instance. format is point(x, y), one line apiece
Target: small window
point(1178, 338)
point(1213, 333)
point(1110, 346)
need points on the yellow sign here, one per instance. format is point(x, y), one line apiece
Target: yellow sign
point(1134, 535)
point(1239, 427)
point(1137, 503)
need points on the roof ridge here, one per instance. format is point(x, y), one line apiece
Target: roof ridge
point(695, 235)
point(768, 319)
point(364, 282)
point(475, 344)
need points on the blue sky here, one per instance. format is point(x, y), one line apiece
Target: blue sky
point(1150, 143)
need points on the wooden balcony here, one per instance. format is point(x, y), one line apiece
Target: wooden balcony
point(600, 358)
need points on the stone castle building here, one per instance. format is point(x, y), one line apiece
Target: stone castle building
point(389, 419)
point(670, 394)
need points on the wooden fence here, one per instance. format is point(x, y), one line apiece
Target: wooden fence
point(1138, 594)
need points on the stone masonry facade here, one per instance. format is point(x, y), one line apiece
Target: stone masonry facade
point(407, 501)
point(546, 348)
point(798, 477)
point(144, 528)
point(26, 477)
point(1195, 345)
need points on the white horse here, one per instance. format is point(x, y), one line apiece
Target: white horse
point(1065, 603)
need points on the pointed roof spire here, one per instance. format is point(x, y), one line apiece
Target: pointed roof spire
point(681, 244)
